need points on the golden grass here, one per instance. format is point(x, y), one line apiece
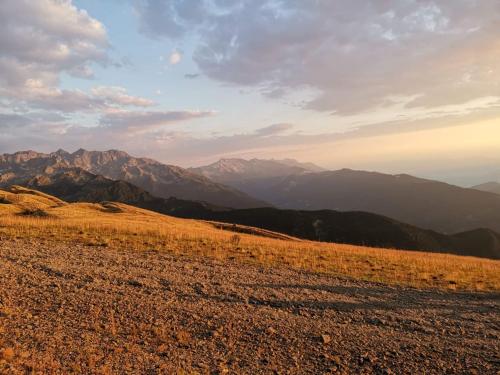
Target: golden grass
point(124, 227)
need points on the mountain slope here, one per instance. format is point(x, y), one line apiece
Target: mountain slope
point(357, 228)
point(490, 187)
point(239, 170)
point(78, 185)
point(159, 179)
point(423, 203)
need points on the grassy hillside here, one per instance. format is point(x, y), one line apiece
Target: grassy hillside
point(28, 214)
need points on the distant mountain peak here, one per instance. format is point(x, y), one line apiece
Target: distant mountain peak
point(232, 169)
point(310, 167)
point(80, 151)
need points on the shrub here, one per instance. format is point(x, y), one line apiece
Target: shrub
point(235, 239)
point(34, 212)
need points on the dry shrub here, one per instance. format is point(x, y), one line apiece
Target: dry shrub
point(35, 213)
point(235, 240)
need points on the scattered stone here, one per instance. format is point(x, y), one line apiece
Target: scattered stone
point(166, 327)
point(134, 283)
point(326, 339)
point(183, 337)
point(336, 359)
point(7, 354)
point(271, 331)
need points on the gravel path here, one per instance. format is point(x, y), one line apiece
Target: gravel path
point(87, 310)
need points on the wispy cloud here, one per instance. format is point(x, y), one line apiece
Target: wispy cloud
point(133, 122)
point(274, 129)
point(119, 96)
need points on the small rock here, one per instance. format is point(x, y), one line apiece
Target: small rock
point(336, 359)
point(7, 354)
point(134, 283)
point(326, 339)
point(183, 337)
point(271, 330)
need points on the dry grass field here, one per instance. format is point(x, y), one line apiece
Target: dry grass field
point(27, 214)
point(112, 289)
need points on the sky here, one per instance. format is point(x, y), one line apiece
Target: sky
point(397, 86)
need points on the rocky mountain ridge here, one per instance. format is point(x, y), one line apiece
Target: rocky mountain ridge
point(159, 179)
point(240, 170)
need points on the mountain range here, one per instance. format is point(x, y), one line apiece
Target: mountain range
point(424, 203)
point(78, 185)
point(159, 179)
point(358, 228)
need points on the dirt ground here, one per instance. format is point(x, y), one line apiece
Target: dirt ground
point(75, 309)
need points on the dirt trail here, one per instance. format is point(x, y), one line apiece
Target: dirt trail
point(81, 309)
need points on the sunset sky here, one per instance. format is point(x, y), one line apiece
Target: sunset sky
point(396, 86)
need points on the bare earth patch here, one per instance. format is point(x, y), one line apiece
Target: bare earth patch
point(77, 309)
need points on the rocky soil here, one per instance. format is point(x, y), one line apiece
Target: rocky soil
point(78, 309)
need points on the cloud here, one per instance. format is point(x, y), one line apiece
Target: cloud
point(82, 71)
point(273, 129)
point(35, 95)
point(118, 96)
point(116, 128)
point(137, 121)
point(8, 120)
point(175, 58)
point(169, 18)
point(41, 39)
point(357, 55)
point(21, 126)
point(191, 75)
